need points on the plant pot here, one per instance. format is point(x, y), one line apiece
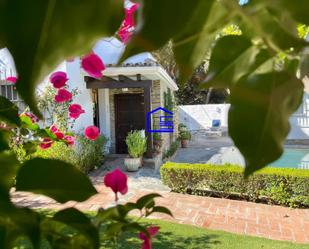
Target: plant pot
point(184, 143)
point(133, 164)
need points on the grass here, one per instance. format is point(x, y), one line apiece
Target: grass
point(178, 236)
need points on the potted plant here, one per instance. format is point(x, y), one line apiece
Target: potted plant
point(184, 135)
point(136, 143)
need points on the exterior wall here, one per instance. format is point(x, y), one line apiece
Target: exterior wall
point(104, 115)
point(199, 117)
point(300, 121)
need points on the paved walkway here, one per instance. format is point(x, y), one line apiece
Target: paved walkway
point(240, 217)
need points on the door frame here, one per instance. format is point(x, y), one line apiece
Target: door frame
point(116, 114)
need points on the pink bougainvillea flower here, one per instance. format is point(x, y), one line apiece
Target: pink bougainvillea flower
point(54, 129)
point(92, 132)
point(58, 79)
point(11, 79)
point(153, 230)
point(75, 111)
point(69, 140)
point(117, 181)
point(93, 65)
point(127, 26)
point(46, 143)
point(63, 96)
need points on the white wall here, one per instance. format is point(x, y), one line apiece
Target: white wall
point(84, 98)
point(199, 117)
point(300, 121)
point(104, 113)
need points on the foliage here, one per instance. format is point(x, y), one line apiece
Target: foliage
point(172, 150)
point(58, 151)
point(277, 186)
point(86, 155)
point(183, 132)
point(56, 113)
point(136, 144)
point(168, 100)
point(90, 153)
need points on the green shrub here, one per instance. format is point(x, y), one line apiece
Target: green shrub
point(289, 187)
point(85, 155)
point(172, 150)
point(90, 153)
point(59, 151)
point(136, 144)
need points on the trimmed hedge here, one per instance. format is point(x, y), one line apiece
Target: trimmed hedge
point(282, 186)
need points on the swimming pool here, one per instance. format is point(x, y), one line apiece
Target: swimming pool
point(293, 158)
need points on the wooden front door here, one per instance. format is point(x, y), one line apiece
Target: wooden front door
point(129, 115)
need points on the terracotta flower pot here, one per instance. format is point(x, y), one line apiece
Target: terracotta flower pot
point(184, 143)
point(133, 164)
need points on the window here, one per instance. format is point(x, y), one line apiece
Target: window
point(8, 90)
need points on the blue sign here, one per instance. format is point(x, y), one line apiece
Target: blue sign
point(165, 120)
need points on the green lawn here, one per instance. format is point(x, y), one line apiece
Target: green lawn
point(174, 236)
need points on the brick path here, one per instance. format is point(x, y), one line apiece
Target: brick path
point(240, 217)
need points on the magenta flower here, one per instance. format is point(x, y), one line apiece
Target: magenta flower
point(11, 79)
point(56, 131)
point(153, 230)
point(69, 140)
point(46, 143)
point(75, 111)
point(93, 65)
point(117, 181)
point(63, 96)
point(58, 79)
point(92, 132)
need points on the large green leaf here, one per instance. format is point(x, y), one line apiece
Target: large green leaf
point(76, 219)
point(8, 112)
point(227, 65)
point(8, 168)
point(41, 34)
point(259, 116)
point(198, 35)
point(162, 21)
point(4, 135)
point(18, 222)
point(53, 178)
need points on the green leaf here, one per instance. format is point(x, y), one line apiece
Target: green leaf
point(76, 219)
point(145, 200)
point(30, 147)
point(41, 34)
point(8, 112)
point(8, 168)
point(17, 222)
point(4, 135)
point(161, 23)
point(304, 63)
point(27, 123)
point(56, 179)
point(259, 116)
point(227, 65)
point(164, 210)
point(198, 35)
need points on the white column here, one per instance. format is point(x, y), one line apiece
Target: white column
point(104, 115)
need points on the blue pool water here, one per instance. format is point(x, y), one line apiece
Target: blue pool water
point(293, 158)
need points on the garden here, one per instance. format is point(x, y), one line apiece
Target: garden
point(262, 64)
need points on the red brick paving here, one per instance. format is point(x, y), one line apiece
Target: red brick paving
point(273, 222)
